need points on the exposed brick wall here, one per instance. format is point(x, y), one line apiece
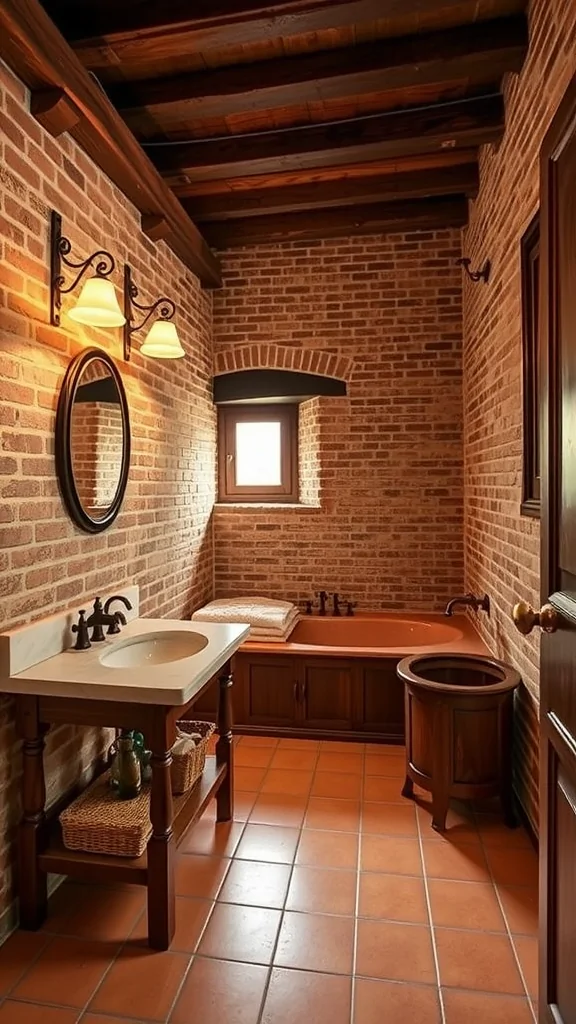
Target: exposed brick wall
point(502, 547)
point(385, 462)
point(162, 537)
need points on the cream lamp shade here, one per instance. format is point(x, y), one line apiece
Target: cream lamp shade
point(162, 341)
point(97, 305)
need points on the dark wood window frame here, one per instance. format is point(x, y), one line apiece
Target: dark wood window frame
point(228, 417)
point(530, 262)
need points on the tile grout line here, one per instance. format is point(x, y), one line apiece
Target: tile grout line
point(357, 897)
point(430, 919)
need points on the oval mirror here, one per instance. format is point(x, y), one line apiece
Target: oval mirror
point(92, 440)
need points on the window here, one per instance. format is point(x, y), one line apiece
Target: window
point(258, 453)
point(530, 266)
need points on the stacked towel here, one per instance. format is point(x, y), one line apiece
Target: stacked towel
point(269, 620)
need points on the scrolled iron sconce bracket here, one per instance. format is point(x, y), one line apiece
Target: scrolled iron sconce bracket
point(100, 262)
point(163, 306)
point(482, 274)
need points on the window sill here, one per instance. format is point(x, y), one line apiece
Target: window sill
point(277, 505)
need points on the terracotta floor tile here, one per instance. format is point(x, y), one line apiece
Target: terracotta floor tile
point(486, 1008)
point(328, 849)
point(95, 913)
point(101, 1018)
point(322, 891)
point(299, 760)
point(315, 942)
point(520, 904)
point(465, 904)
point(338, 761)
point(393, 897)
point(511, 866)
point(259, 741)
point(460, 822)
point(267, 842)
point(141, 984)
point(249, 779)
point(200, 876)
point(377, 1002)
point(385, 764)
point(67, 972)
point(386, 749)
point(477, 960)
point(253, 757)
point(191, 917)
point(457, 861)
point(378, 788)
point(389, 819)
point(256, 884)
point(241, 933)
point(289, 781)
point(298, 996)
point(211, 838)
point(342, 747)
point(396, 952)
point(335, 815)
point(279, 809)
point(398, 856)
point(244, 801)
point(290, 744)
point(218, 992)
point(527, 952)
point(16, 955)
point(494, 832)
point(27, 1013)
point(339, 785)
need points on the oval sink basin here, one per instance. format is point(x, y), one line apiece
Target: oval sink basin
point(153, 649)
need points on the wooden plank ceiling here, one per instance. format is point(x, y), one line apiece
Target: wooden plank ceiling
point(297, 119)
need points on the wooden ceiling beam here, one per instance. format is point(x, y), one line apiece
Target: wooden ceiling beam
point(322, 195)
point(385, 218)
point(31, 44)
point(460, 124)
point(169, 26)
point(479, 53)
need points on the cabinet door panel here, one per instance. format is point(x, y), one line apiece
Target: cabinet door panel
point(271, 692)
point(327, 695)
point(382, 698)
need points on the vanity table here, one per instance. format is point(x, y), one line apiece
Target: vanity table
point(81, 688)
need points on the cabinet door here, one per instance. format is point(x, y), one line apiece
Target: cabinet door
point(326, 694)
point(270, 692)
point(381, 699)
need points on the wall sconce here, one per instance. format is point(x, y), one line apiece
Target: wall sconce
point(97, 304)
point(475, 275)
point(162, 341)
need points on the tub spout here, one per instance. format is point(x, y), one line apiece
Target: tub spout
point(471, 601)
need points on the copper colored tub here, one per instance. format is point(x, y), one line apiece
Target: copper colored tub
point(459, 710)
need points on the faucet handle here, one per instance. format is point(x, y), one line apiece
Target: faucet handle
point(81, 628)
point(350, 606)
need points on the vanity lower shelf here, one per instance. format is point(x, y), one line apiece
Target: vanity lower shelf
point(98, 867)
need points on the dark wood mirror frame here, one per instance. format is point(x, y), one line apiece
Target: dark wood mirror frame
point(63, 452)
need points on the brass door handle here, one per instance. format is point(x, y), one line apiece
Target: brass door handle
point(525, 618)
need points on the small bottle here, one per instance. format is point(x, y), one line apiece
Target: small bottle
point(114, 765)
point(129, 772)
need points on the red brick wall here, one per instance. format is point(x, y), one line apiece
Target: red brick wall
point(385, 462)
point(502, 547)
point(162, 538)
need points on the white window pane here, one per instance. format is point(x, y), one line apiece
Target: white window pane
point(258, 454)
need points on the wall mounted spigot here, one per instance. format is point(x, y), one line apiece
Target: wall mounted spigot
point(482, 274)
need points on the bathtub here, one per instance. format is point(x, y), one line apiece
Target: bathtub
point(378, 635)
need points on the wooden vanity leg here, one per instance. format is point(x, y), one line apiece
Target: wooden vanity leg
point(224, 746)
point(32, 882)
point(161, 847)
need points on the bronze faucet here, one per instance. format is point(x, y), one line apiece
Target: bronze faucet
point(101, 617)
point(323, 597)
point(336, 604)
point(471, 601)
point(118, 617)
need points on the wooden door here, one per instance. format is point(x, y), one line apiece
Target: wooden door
point(558, 651)
point(270, 688)
point(326, 694)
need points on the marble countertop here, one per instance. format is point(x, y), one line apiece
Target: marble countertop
point(80, 674)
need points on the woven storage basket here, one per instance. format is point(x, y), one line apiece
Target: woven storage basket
point(99, 822)
point(186, 769)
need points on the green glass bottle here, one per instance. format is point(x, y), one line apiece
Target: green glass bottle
point(129, 772)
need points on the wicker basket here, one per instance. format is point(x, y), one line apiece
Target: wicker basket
point(99, 822)
point(187, 768)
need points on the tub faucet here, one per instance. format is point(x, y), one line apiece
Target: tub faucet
point(471, 601)
point(322, 597)
point(336, 604)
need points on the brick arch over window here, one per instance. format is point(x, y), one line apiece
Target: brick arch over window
point(281, 357)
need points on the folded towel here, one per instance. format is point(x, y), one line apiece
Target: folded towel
point(259, 612)
point(264, 635)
